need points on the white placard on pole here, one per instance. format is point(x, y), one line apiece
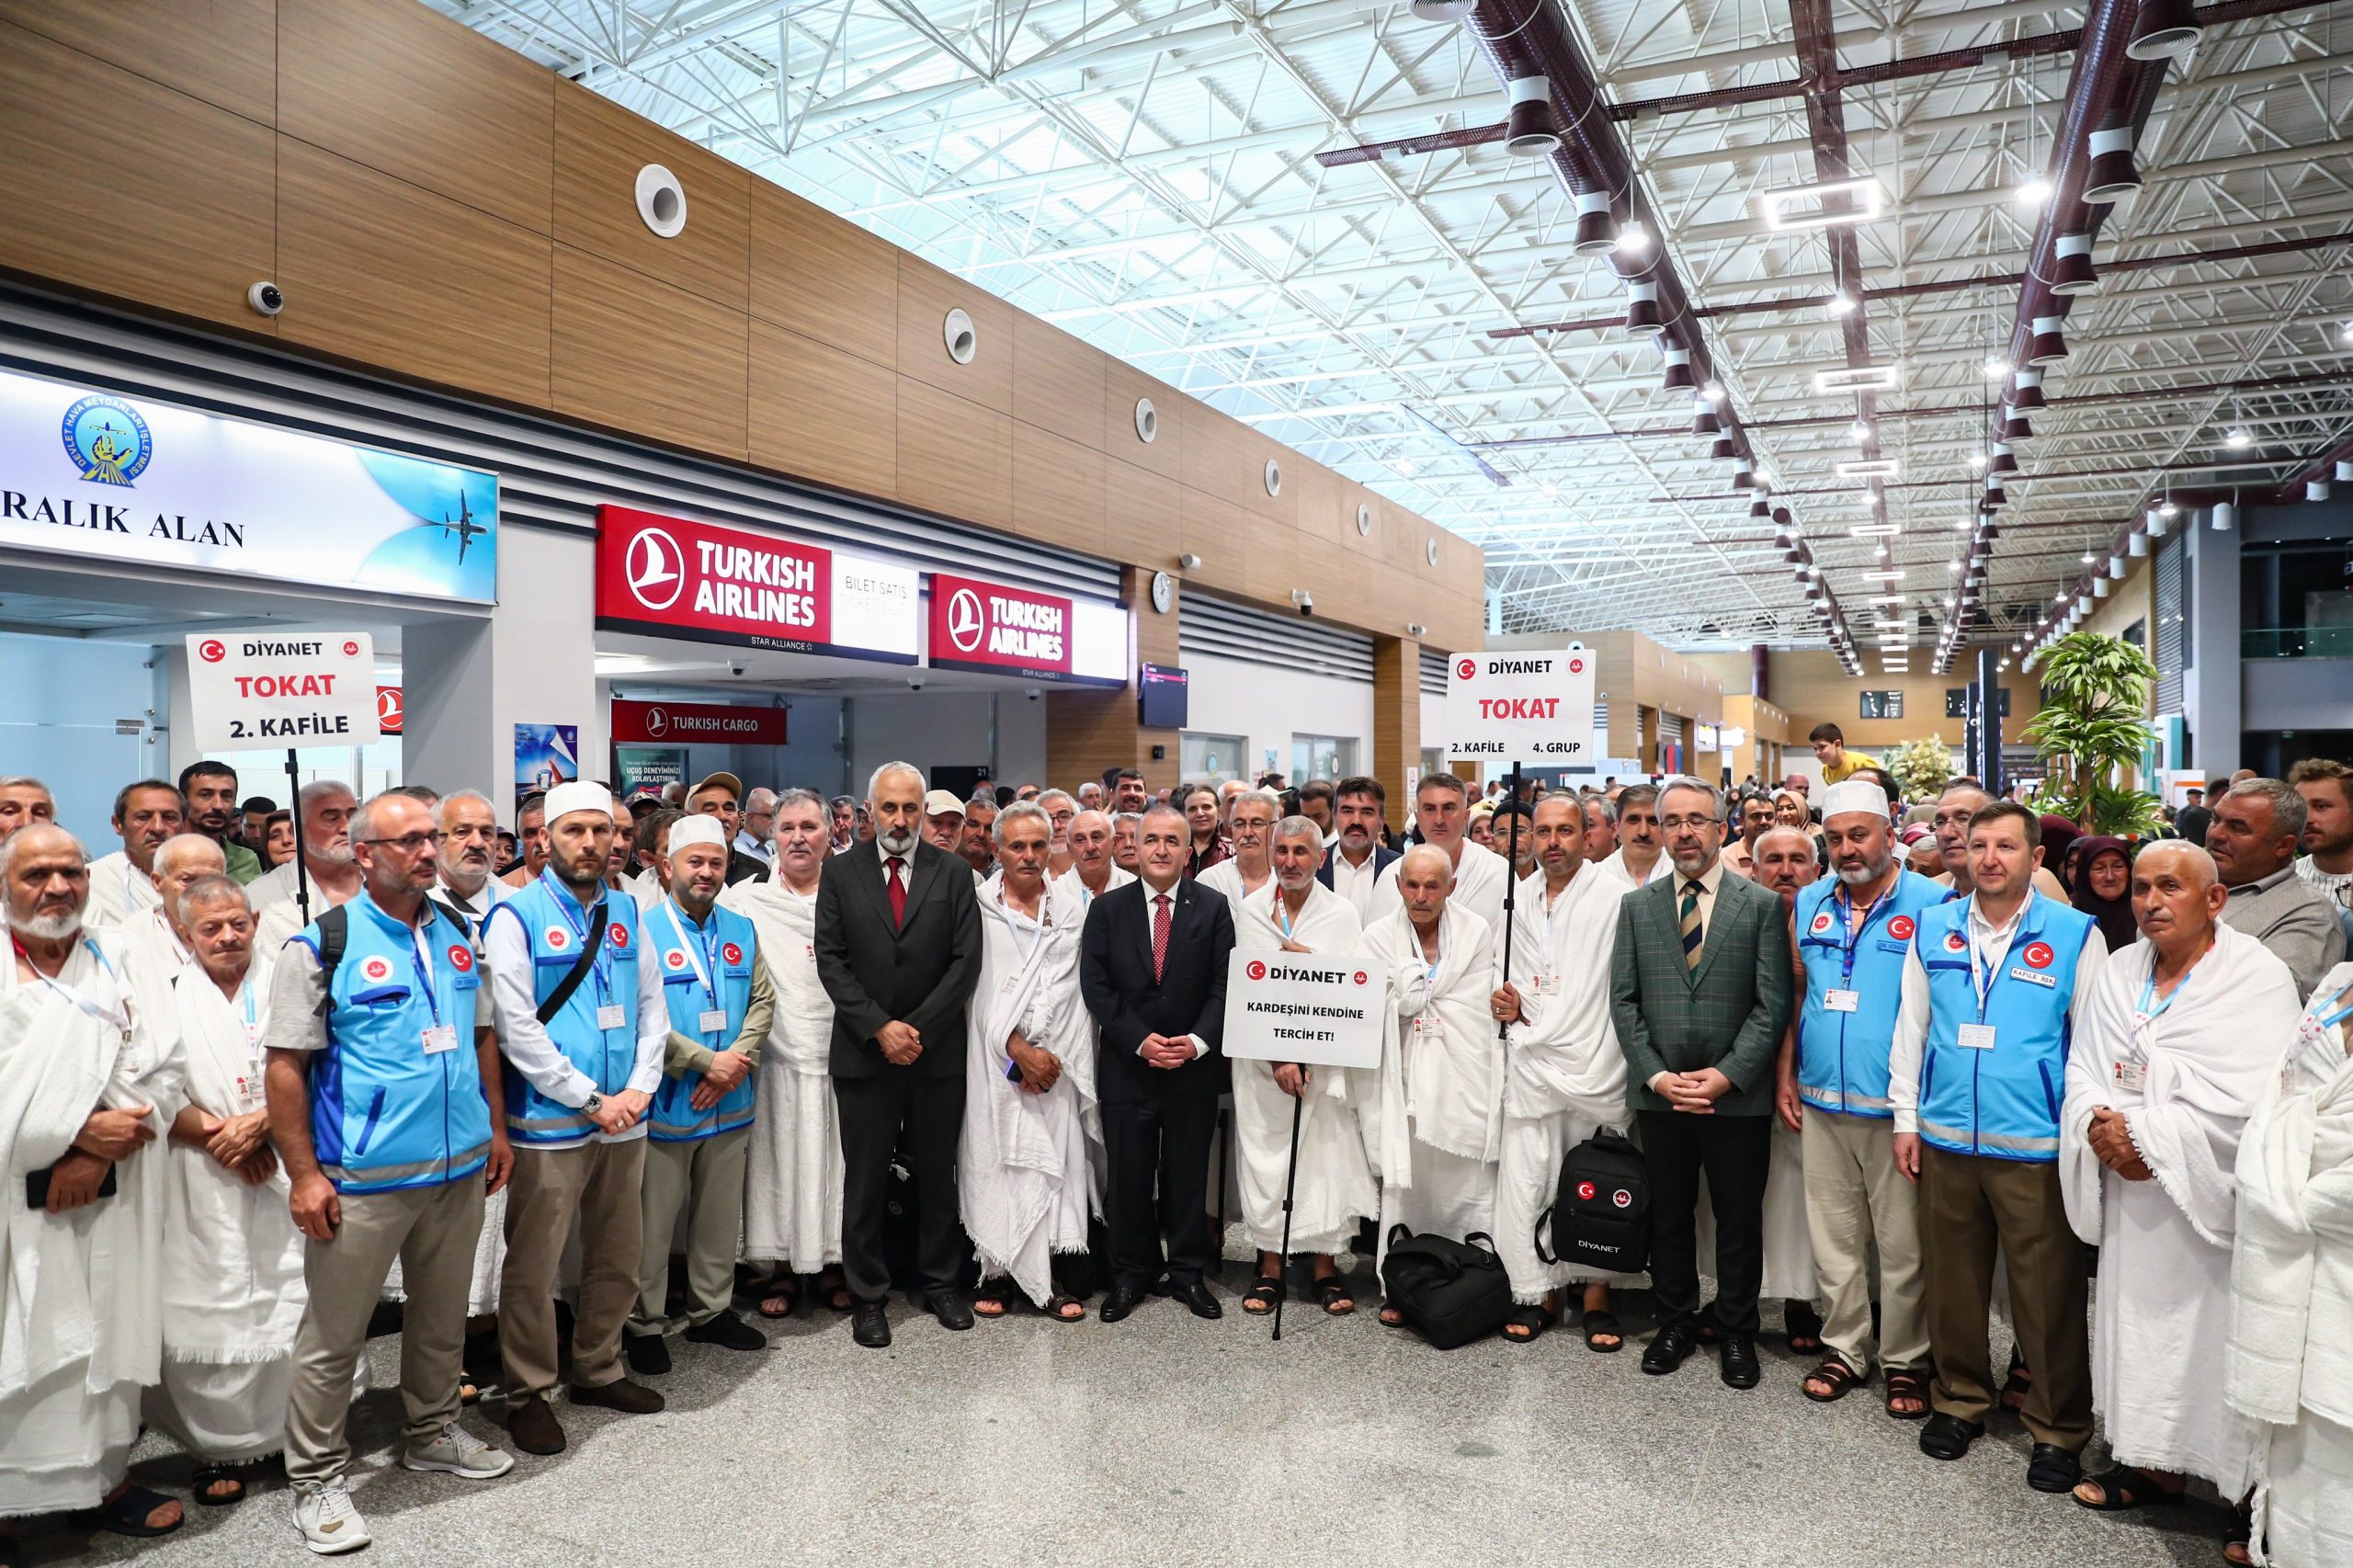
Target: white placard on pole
point(1320, 1008)
point(251, 691)
point(1529, 708)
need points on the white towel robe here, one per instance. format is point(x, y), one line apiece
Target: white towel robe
point(2290, 1364)
point(1441, 1078)
point(120, 893)
point(233, 1285)
point(1479, 880)
point(1069, 881)
point(792, 1187)
point(1028, 1167)
point(81, 1324)
point(2161, 1320)
point(1334, 1189)
point(1565, 1078)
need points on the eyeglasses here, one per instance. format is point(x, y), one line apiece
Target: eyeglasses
point(407, 843)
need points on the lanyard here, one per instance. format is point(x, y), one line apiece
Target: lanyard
point(113, 1018)
point(1978, 975)
point(420, 958)
point(1854, 934)
point(707, 965)
point(251, 1008)
point(1282, 914)
point(2151, 1010)
point(563, 901)
point(2330, 1020)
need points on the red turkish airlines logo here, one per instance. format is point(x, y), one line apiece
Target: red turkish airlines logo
point(619, 934)
point(655, 568)
point(732, 953)
point(555, 938)
point(461, 956)
point(2037, 955)
point(1901, 927)
point(1467, 668)
point(966, 624)
point(375, 971)
point(1585, 1190)
point(1822, 922)
point(387, 710)
point(211, 651)
point(1256, 969)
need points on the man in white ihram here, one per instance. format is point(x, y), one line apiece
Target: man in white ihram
point(1441, 812)
point(1294, 913)
point(2180, 1046)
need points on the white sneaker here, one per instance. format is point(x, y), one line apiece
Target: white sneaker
point(460, 1453)
point(327, 1520)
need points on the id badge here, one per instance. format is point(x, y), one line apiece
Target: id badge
point(1425, 1024)
point(714, 1019)
point(1842, 1001)
point(1976, 1036)
point(2131, 1076)
point(439, 1038)
point(610, 1016)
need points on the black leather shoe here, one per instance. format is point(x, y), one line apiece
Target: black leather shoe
point(951, 1308)
point(1123, 1301)
point(1198, 1301)
point(648, 1356)
point(1670, 1348)
point(729, 1333)
point(1738, 1367)
point(2051, 1467)
point(1949, 1436)
point(870, 1326)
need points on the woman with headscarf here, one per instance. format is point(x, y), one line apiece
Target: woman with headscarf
point(2102, 879)
point(2059, 836)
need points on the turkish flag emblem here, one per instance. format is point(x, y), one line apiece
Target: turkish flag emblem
point(1901, 927)
point(1467, 668)
point(732, 953)
point(2037, 955)
point(1256, 971)
point(619, 934)
point(1585, 1190)
point(212, 650)
point(461, 956)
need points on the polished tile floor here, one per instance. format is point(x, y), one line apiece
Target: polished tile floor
point(1165, 1439)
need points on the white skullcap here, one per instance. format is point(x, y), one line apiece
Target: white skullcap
point(1854, 795)
point(700, 827)
point(578, 796)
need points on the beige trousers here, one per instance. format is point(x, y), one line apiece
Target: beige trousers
point(432, 1231)
point(1857, 1201)
point(601, 1185)
point(706, 1175)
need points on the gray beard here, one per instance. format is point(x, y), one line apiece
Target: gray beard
point(55, 928)
point(896, 842)
point(1862, 876)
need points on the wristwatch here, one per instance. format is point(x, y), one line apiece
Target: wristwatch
point(592, 1105)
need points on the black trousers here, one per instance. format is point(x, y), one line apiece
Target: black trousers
point(1165, 1143)
point(873, 1112)
point(1735, 1152)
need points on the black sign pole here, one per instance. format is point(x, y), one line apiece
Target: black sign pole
point(294, 806)
point(1290, 1177)
point(1511, 885)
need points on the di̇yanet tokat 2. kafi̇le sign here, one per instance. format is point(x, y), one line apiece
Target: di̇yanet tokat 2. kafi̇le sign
point(89, 474)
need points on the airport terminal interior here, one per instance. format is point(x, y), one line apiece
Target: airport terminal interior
point(1852, 499)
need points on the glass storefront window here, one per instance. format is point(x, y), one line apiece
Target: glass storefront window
point(1329, 757)
point(1213, 758)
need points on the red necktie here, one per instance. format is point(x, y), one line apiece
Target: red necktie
point(1159, 936)
point(898, 892)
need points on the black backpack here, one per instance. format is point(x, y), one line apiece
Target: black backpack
point(1601, 1217)
point(1452, 1291)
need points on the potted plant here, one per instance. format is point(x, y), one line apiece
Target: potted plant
point(1921, 767)
point(2093, 723)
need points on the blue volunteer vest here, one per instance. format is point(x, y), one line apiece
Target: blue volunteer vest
point(2002, 1102)
point(1842, 1057)
point(704, 968)
point(555, 927)
point(385, 1114)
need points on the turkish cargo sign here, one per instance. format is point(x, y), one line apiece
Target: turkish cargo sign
point(248, 692)
point(676, 577)
point(685, 723)
point(1520, 707)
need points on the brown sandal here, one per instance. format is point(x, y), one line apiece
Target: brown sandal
point(1841, 1380)
point(1907, 1385)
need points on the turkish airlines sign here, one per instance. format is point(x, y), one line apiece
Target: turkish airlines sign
point(685, 723)
point(676, 577)
point(998, 627)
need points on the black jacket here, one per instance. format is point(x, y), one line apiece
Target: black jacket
point(921, 972)
point(1382, 856)
point(1115, 977)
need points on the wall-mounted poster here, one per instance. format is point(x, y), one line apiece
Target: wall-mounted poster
point(545, 757)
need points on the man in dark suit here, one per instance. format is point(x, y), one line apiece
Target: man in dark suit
point(898, 940)
point(1152, 968)
point(1700, 988)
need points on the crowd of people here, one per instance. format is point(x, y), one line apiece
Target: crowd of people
point(569, 1094)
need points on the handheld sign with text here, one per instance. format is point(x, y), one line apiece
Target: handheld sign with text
point(1508, 708)
point(250, 691)
point(1325, 1009)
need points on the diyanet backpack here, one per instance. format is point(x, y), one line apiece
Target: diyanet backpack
point(1452, 1291)
point(1601, 1219)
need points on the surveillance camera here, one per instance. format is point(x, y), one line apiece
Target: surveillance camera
point(1189, 562)
point(1031, 692)
point(735, 669)
point(1416, 628)
point(915, 682)
point(267, 298)
point(1304, 600)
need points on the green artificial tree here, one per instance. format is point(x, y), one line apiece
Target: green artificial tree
point(1921, 767)
point(2094, 723)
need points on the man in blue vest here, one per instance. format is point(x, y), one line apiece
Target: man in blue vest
point(583, 1027)
point(376, 1072)
point(1992, 988)
point(719, 1002)
point(1854, 935)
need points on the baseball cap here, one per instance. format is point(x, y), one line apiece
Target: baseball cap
point(942, 803)
point(734, 785)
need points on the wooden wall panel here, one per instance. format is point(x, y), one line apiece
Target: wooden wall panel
point(822, 415)
point(224, 51)
point(1396, 722)
point(927, 294)
point(1164, 454)
point(1058, 382)
point(397, 86)
point(823, 277)
point(1240, 553)
point(387, 273)
point(955, 457)
point(1057, 489)
point(599, 148)
point(641, 356)
point(1810, 687)
point(170, 204)
point(1143, 516)
point(1226, 458)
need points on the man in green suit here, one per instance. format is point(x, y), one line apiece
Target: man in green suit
point(1699, 990)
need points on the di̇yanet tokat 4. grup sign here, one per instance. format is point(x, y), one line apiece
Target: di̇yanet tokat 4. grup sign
point(1534, 709)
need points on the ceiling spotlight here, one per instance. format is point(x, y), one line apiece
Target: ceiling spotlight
point(2167, 509)
point(1842, 304)
point(1859, 431)
point(2087, 558)
point(1955, 565)
point(1633, 239)
point(1977, 463)
point(1995, 367)
point(2034, 192)
point(1713, 391)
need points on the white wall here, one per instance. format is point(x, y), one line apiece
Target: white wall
point(931, 728)
point(1266, 706)
point(60, 698)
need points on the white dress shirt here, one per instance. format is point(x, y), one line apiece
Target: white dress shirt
point(525, 1042)
point(1200, 1047)
point(1355, 883)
